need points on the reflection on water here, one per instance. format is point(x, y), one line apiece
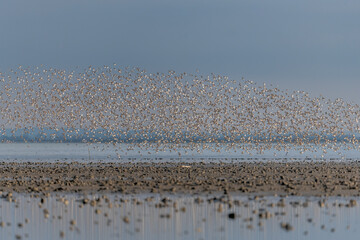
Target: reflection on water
point(128, 152)
point(177, 217)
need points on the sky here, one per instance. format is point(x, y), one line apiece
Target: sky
point(311, 45)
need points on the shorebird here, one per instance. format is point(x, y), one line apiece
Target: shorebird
point(169, 110)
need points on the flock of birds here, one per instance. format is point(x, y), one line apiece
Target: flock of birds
point(115, 105)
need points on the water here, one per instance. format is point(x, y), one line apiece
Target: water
point(52, 152)
point(189, 219)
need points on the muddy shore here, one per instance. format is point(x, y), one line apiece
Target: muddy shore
point(262, 178)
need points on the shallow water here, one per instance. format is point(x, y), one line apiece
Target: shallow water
point(199, 219)
point(51, 152)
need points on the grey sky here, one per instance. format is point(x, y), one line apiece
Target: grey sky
point(309, 45)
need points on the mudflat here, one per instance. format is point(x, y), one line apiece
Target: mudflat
point(262, 178)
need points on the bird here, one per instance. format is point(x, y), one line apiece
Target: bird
point(169, 111)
